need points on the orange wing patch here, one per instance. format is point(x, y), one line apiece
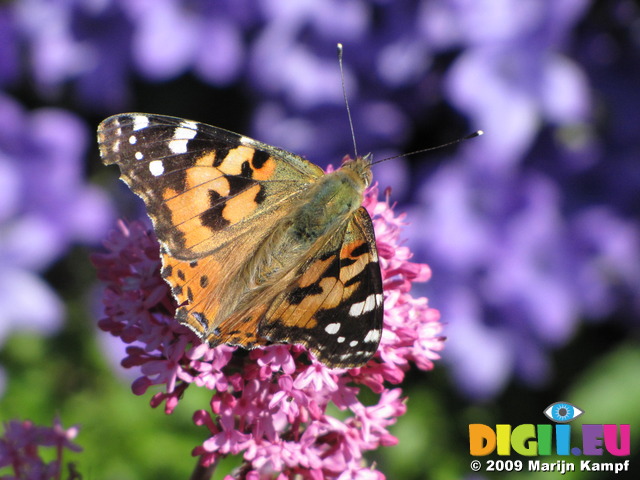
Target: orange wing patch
point(242, 205)
point(211, 197)
point(193, 285)
point(234, 163)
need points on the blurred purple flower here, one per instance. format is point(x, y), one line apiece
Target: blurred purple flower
point(96, 47)
point(103, 81)
point(21, 444)
point(270, 405)
point(521, 268)
point(55, 54)
point(520, 260)
point(512, 76)
point(171, 39)
point(85, 45)
point(9, 58)
point(44, 207)
point(517, 269)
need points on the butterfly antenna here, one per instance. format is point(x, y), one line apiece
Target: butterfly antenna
point(477, 133)
point(346, 100)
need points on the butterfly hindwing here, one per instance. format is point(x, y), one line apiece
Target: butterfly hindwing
point(335, 304)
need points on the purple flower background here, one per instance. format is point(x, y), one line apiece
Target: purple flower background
point(531, 231)
point(45, 206)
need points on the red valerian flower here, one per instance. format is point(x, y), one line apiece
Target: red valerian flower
point(270, 404)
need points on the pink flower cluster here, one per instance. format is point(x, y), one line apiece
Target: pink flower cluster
point(20, 449)
point(270, 404)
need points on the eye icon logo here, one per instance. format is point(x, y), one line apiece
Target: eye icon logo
point(562, 412)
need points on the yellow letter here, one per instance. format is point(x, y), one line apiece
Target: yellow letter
point(523, 440)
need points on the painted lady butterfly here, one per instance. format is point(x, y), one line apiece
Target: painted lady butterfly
point(257, 244)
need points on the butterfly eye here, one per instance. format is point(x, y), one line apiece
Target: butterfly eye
point(562, 412)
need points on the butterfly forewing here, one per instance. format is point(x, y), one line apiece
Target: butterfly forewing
point(202, 185)
point(216, 198)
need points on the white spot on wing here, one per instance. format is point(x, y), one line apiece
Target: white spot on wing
point(178, 146)
point(140, 122)
point(373, 336)
point(365, 306)
point(186, 131)
point(356, 309)
point(139, 156)
point(133, 139)
point(156, 168)
point(332, 328)
point(181, 135)
point(353, 343)
point(340, 339)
